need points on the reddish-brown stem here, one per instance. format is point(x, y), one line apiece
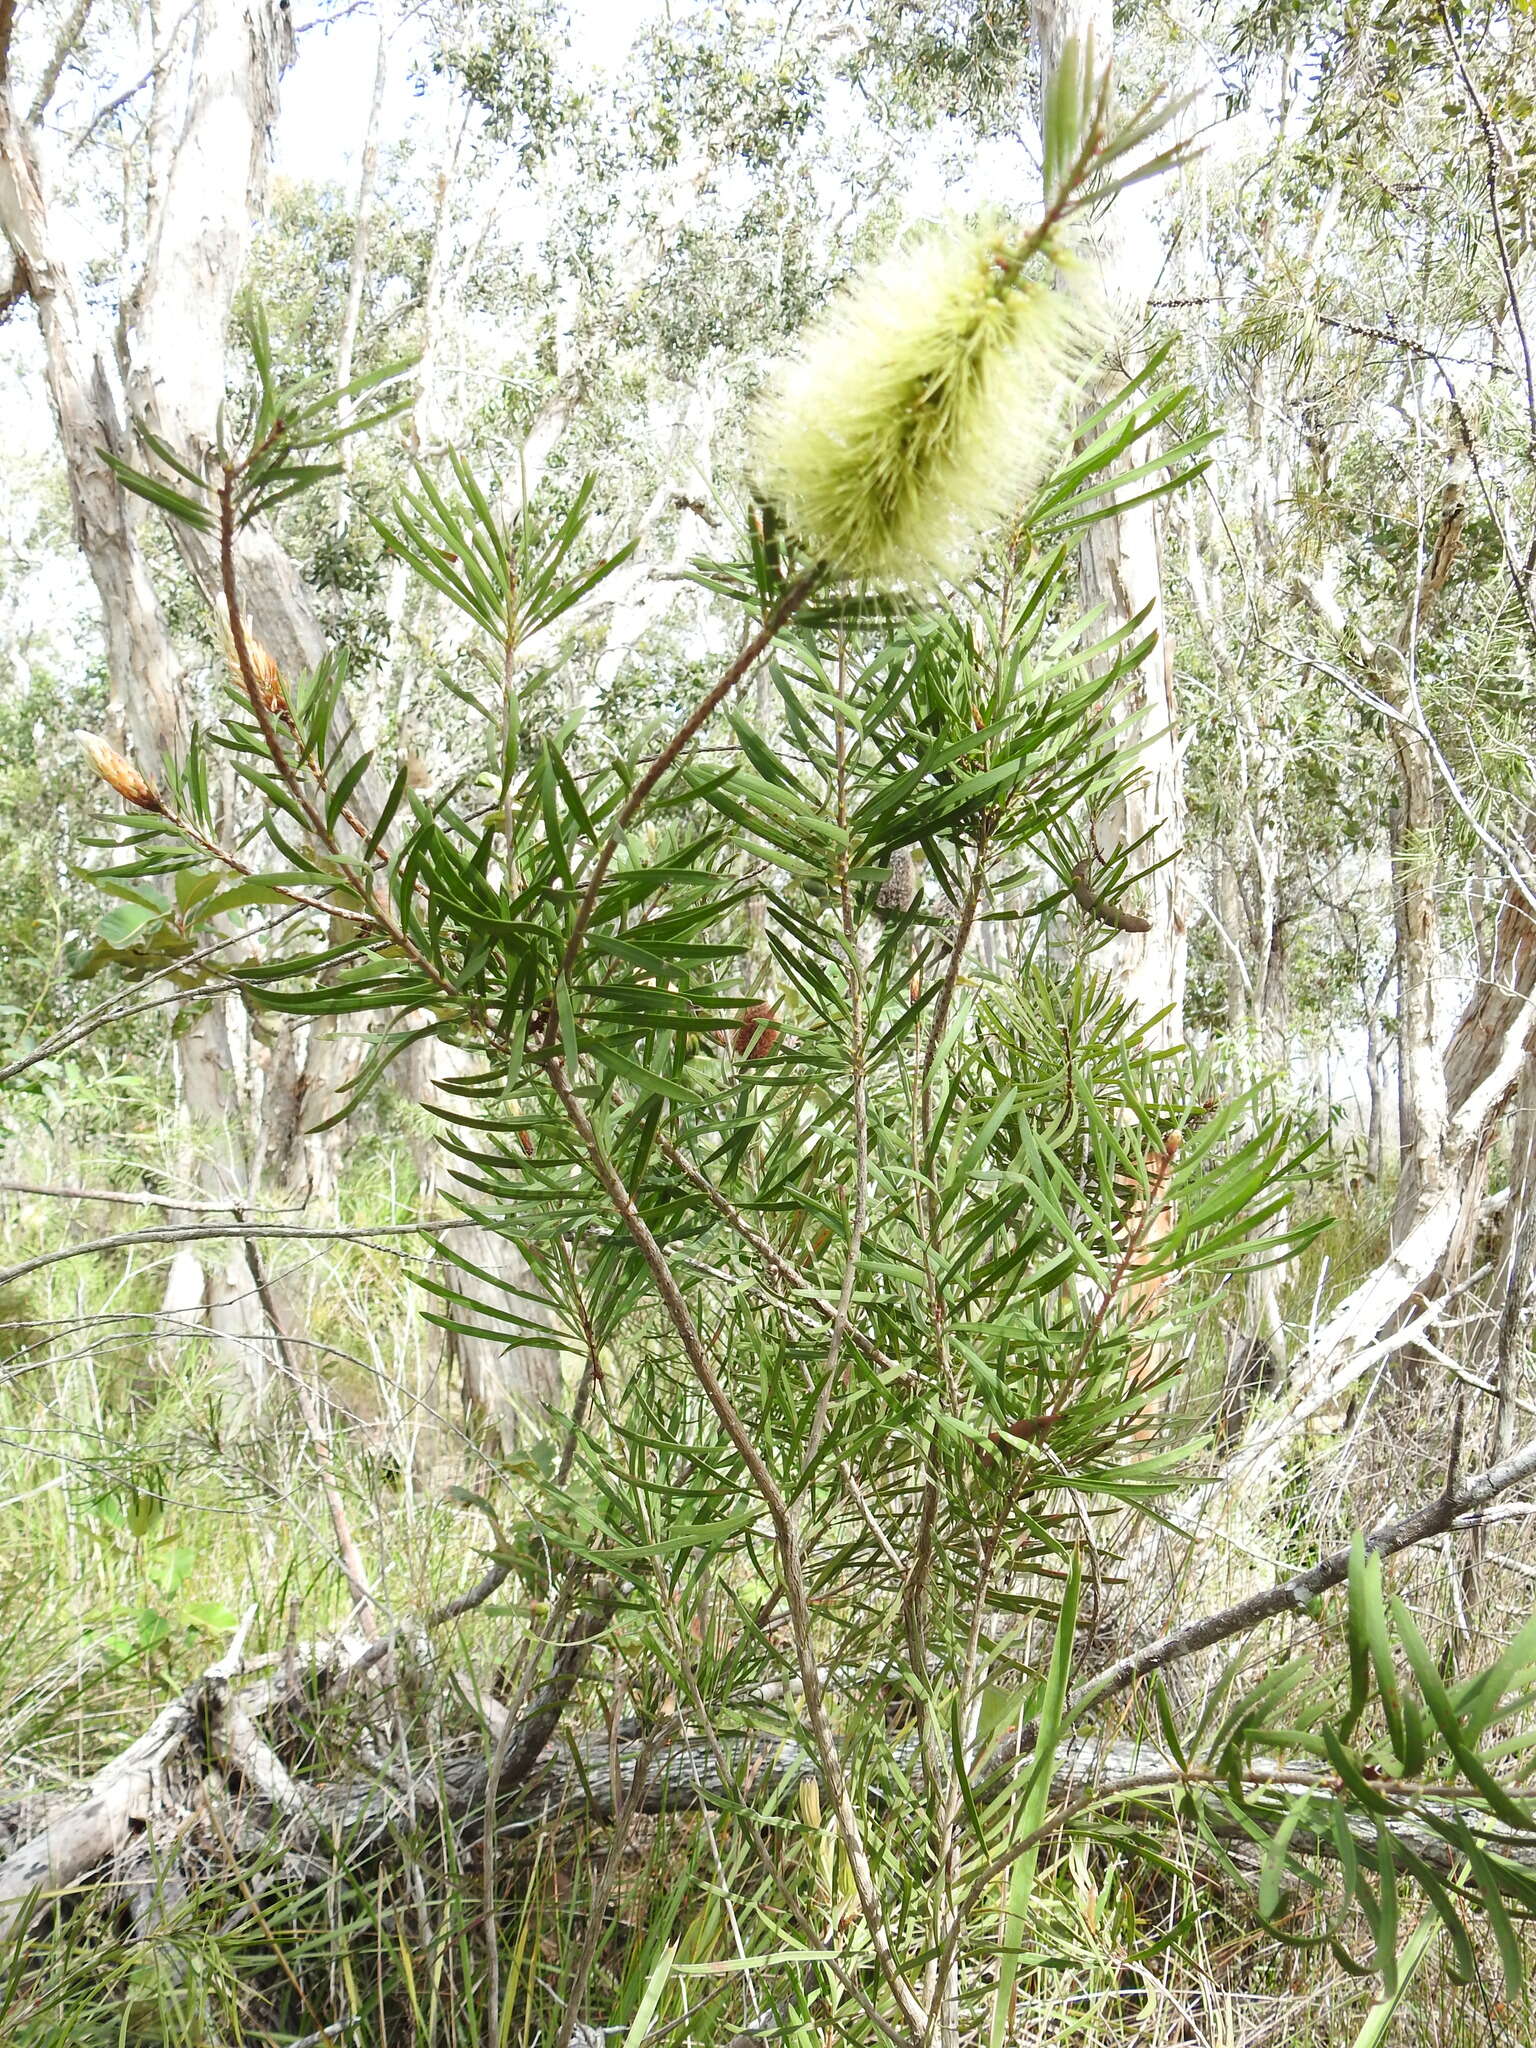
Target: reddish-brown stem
point(237, 866)
point(786, 1542)
point(778, 618)
point(788, 1276)
point(272, 739)
point(269, 732)
point(1152, 1209)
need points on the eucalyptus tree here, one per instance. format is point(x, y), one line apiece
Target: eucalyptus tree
point(1120, 567)
point(1354, 279)
point(184, 236)
point(187, 140)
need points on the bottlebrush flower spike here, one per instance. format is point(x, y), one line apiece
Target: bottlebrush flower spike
point(926, 400)
point(119, 773)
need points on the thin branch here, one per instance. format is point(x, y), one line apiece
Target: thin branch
point(1408, 346)
point(786, 1539)
point(1233, 949)
point(788, 1275)
point(1495, 153)
point(255, 696)
point(63, 50)
point(315, 21)
point(115, 1009)
point(1450, 1509)
point(1519, 576)
point(193, 1233)
point(320, 1443)
point(1416, 723)
point(778, 618)
point(157, 63)
point(139, 1198)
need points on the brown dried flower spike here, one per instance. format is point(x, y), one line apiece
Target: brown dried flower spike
point(266, 680)
point(120, 774)
point(757, 1033)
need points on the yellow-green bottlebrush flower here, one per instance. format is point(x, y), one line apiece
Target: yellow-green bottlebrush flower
point(923, 403)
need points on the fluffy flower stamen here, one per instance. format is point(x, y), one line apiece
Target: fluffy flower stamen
point(925, 401)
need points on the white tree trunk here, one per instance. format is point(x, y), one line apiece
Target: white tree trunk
point(1120, 567)
point(1422, 1108)
point(82, 389)
point(205, 170)
point(362, 221)
point(1488, 1051)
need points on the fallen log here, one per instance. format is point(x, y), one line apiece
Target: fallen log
point(593, 1776)
point(97, 1830)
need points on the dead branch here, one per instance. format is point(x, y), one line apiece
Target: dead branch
point(1457, 1505)
point(533, 1779)
point(140, 1198)
point(97, 1829)
point(91, 1834)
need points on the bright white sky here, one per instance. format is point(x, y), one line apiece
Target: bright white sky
point(325, 96)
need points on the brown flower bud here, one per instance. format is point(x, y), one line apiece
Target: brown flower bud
point(1080, 882)
point(266, 683)
point(268, 680)
point(120, 774)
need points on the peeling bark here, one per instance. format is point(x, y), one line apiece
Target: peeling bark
point(147, 708)
point(1486, 1056)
